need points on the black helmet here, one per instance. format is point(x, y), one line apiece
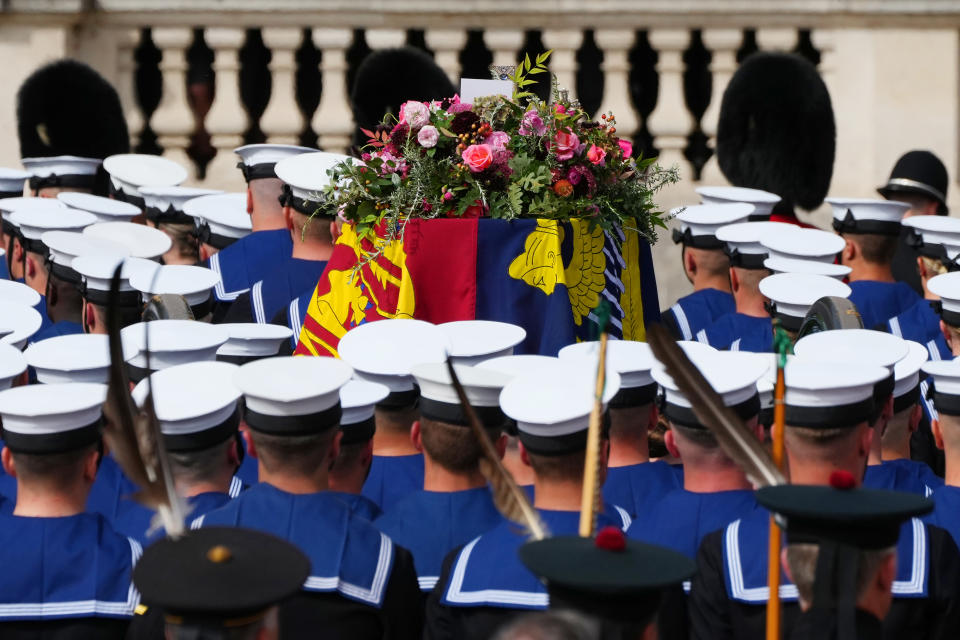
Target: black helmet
point(918, 172)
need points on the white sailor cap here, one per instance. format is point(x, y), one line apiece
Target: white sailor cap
point(195, 284)
point(221, 219)
point(12, 364)
point(78, 357)
point(249, 341)
point(805, 244)
point(792, 294)
point(142, 241)
point(258, 160)
point(946, 286)
point(822, 395)
point(763, 201)
point(130, 171)
point(172, 342)
point(52, 418)
point(358, 399)
point(741, 242)
point(386, 351)
point(517, 365)
point(11, 182)
point(946, 385)
point(12, 291)
point(105, 209)
point(65, 246)
point(552, 406)
point(7, 205)
point(932, 236)
point(439, 400)
point(906, 373)
point(473, 341)
point(765, 391)
point(693, 348)
point(34, 222)
point(293, 396)
point(779, 264)
point(305, 177)
point(861, 215)
point(699, 223)
point(165, 204)
point(634, 362)
point(732, 374)
point(18, 323)
point(96, 272)
point(196, 404)
point(62, 171)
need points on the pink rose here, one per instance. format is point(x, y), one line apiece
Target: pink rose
point(565, 144)
point(532, 124)
point(414, 114)
point(478, 157)
point(596, 154)
point(428, 136)
point(626, 148)
point(498, 139)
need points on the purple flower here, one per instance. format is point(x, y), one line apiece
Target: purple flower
point(498, 139)
point(532, 124)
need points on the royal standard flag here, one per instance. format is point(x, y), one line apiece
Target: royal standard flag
point(544, 275)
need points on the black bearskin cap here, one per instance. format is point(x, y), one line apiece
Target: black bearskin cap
point(67, 108)
point(776, 129)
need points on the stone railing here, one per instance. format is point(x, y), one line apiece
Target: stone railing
point(200, 77)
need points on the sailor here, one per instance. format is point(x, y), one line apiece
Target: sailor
point(11, 188)
point(455, 505)
point(945, 375)
point(140, 240)
point(358, 399)
point(269, 244)
point(71, 358)
point(130, 171)
point(829, 409)
point(706, 267)
point(294, 316)
point(51, 446)
point(96, 273)
point(780, 264)
point(920, 180)
point(484, 584)
point(13, 367)
point(776, 132)
point(310, 217)
point(386, 351)
point(803, 244)
point(105, 209)
point(762, 201)
point(226, 583)
point(18, 323)
point(19, 293)
point(748, 328)
point(67, 109)
point(12, 268)
point(633, 480)
point(791, 295)
point(361, 585)
point(195, 284)
point(219, 220)
point(946, 287)
point(164, 210)
point(870, 229)
point(841, 550)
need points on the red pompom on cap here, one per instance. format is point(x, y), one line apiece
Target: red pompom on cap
point(611, 539)
point(841, 479)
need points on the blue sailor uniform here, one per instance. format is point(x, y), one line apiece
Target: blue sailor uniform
point(729, 592)
point(637, 487)
point(65, 577)
point(902, 475)
point(294, 316)
point(697, 311)
point(54, 329)
point(392, 478)
point(681, 518)
point(360, 506)
point(431, 524)
point(275, 290)
point(946, 510)
point(109, 488)
point(8, 484)
point(877, 301)
point(739, 332)
point(921, 323)
point(360, 585)
point(248, 260)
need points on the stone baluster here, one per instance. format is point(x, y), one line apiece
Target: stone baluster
point(128, 39)
point(385, 38)
point(173, 120)
point(504, 43)
point(777, 38)
point(723, 45)
point(563, 61)
point(282, 121)
point(671, 122)
point(227, 119)
point(615, 44)
point(446, 45)
point(333, 120)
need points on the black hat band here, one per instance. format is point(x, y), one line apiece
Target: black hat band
point(204, 438)
point(491, 417)
point(215, 240)
point(400, 399)
point(628, 398)
point(122, 196)
point(765, 417)
point(257, 171)
point(687, 239)
point(745, 260)
point(849, 224)
point(788, 322)
point(946, 403)
point(64, 273)
point(907, 400)
point(295, 425)
point(170, 215)
point(127, 299)
point(846, 415)
point(50, 443)
point(306, 207)
point(240, 360)
point(951, 318)
point(685, 417)
point(554, 445)
point(8, 227)
point(203, 309)
point(358, 431)
point(11, 194)
point(33, 245)
point(884, 389)
point(86, 181)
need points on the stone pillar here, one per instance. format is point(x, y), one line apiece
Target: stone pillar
point(127, 41)
point(333, 120)
point(446, 45)
point(227, 119)
point(173, 121)
point(671, 122)
point(282, 120)
point(777, 38)
point(385, 38)
point(615, 44)
point(563, 60)
point(504, 43)
point(723, 45)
